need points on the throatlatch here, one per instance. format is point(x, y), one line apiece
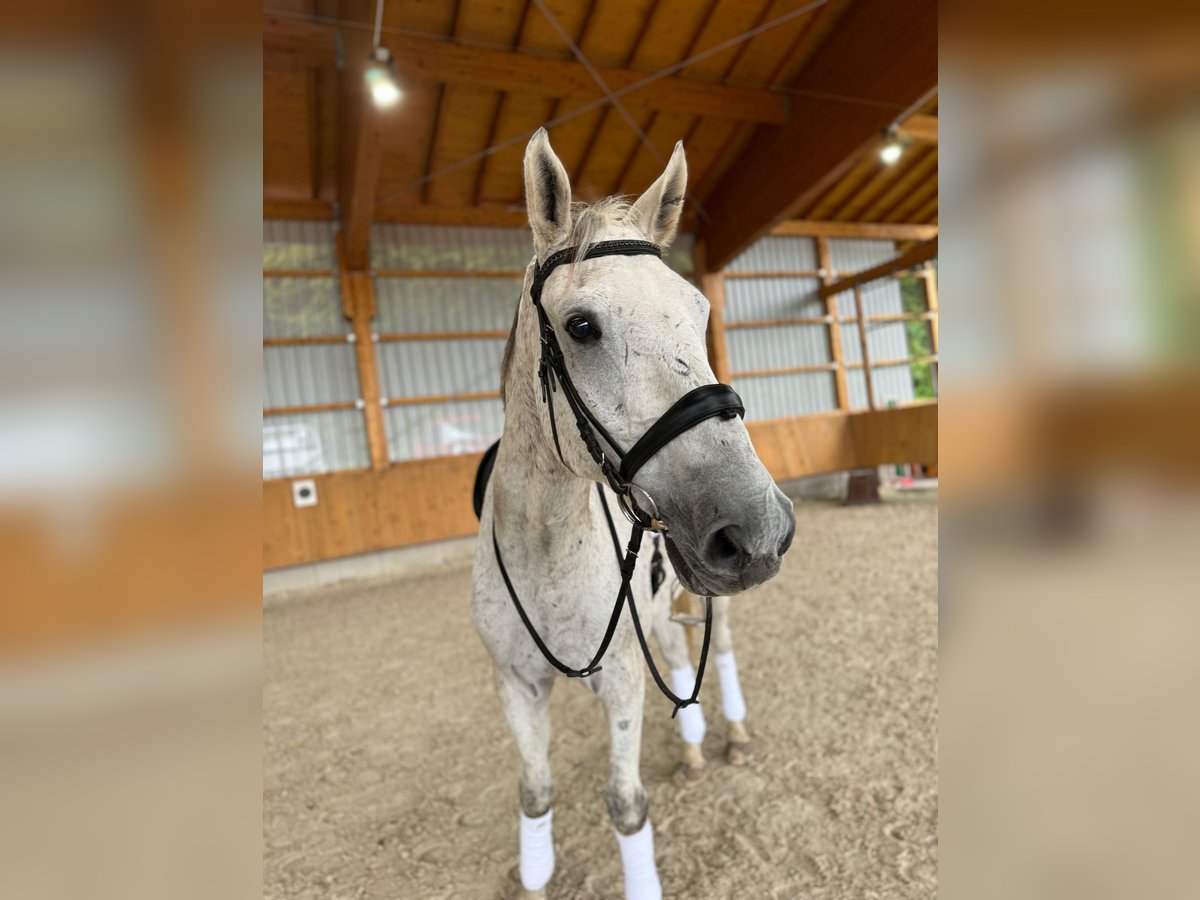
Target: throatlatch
point(694, 407)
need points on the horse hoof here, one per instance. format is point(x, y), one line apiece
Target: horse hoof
point(518, 890)
point(686, 774)
point(737, 753)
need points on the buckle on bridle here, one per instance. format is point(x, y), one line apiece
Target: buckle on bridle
point(640, 509)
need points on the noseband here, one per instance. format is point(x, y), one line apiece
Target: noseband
point(694, 407)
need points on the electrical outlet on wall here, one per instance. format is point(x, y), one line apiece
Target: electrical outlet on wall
point(304, 492)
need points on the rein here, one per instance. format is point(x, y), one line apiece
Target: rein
point(694, 407)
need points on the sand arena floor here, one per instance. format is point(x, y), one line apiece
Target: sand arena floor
point(390, 773)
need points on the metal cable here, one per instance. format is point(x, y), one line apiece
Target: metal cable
point(616, 101)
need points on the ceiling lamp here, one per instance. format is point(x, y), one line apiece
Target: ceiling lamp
point(380, 75)
point(893, 147)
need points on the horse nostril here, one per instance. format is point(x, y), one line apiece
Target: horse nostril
point(787, 540)
point(725, 549)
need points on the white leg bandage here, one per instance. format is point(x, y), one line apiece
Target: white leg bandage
point(641, 873)
point(732, 701)
point(537, 851)
point(691, 718)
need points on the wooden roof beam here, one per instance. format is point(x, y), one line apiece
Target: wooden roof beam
point(488, 215)
point(292, 42)
point(360, 142)
point(881, 52)
point(918, 254)
point(870, 230)
point(920, 129)
point(277, 208)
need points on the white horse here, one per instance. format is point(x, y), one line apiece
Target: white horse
point(632, 336)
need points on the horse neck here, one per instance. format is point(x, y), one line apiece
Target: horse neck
point(534, 482)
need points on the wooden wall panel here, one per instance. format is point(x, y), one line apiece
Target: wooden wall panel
point(360, 512)
point(804, 445)
point(904, 435)
point(834, 442)
point(430, 500)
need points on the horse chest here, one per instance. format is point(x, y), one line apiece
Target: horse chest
point(567, 584)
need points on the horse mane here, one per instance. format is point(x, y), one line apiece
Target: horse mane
point(588, 222)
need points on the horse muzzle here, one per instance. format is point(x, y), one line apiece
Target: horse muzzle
point(737, 552)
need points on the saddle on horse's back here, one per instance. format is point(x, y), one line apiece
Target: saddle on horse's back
point(482, 474)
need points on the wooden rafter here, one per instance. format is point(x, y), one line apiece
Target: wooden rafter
point(919, 254)
point(882, 231)
point(360, 150)
point(920, 128)
point(486, 215)
point(786, 165)
point(297, 209)
point(298, 42)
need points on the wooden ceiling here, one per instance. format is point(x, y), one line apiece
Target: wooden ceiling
point(782, 125)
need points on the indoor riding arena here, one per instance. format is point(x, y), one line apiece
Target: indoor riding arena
point(403, 167)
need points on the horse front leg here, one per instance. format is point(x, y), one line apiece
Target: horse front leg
point(733, 704)
point(526, 707)
point(673, 641)
point(621, 687)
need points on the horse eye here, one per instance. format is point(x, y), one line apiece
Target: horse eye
point(580, 329)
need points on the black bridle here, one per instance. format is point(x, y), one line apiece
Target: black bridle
point(687, 412)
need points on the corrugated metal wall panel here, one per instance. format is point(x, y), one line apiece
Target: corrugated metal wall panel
point(442, 247)
point(756, 299)
point(302, 307)
point(314, 443)
point(885, 340)
point(777, 254)
point(310, 374)
point(303, 375)
point(434, 368)
point(299, 245)
point(853, 255)
point(893, 385)
point(442, 429)
point(879, 297)
point(777, 348)
point(856, 387)
point(445, 304)
point(751, 299)
point(851, 351)
point(780, 396)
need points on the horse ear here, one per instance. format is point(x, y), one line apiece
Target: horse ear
point(658, 210)
point(547, 193)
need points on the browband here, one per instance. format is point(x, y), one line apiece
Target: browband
point(604, 248)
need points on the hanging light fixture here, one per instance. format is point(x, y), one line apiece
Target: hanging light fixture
point(893, 147)
point(380, 73)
